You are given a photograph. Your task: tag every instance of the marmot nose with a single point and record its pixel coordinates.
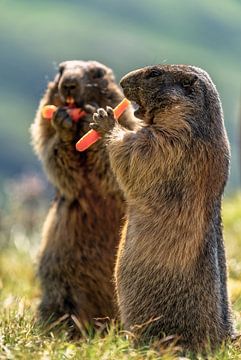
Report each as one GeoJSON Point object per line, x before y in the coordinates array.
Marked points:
{"type": "Point", "coordinates": [123, 81]}
{"type": "Point", "coordinates": [69, 85]}
{"type": "Point", "coordinates": [128, 80]}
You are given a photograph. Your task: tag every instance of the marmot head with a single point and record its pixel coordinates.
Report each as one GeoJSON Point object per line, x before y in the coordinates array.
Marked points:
{"type": "Point", "coordinates": [85, 82]}
{"type": "Point", "coordinates": [175, 96]}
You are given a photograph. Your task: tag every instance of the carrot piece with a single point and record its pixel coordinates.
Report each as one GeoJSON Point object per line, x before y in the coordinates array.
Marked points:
{"type": "Point", "coordinates": [75, 113]}
{"type": "Point", "coordinates": [119, 109]}
{"type": "Point", "coordinates": [92, 136]}
{"type": "Point", "coordinates": [70, 100]}
{"type": "Point", "coordinates": [48, 111]}
{"type": "Point", "coordinates": [87, 140]}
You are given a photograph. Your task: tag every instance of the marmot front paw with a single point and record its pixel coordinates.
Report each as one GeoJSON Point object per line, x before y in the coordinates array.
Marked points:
{"type": "Point", "coordinates": [90, 108]}
{"type": "Point", "coordinates": [63, 124]}
{"type": "Point", "coordinates": [103, 120]}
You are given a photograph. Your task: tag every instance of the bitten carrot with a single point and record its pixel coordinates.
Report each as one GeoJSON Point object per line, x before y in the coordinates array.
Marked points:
{"type": "Point", "coordinates": [92, 136]}
{"type": "Point", "coordinates": [75, 113]}
{"type": "Point", "coordinates": [87, 140]}
{"type": "Point", "coordinates": [48, 111]}
{"type": "Point", "coordinates": [121, 107]}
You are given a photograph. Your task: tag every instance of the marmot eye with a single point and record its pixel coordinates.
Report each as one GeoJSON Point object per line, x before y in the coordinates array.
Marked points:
{"type": "Point", "coordinates": [153, 73]}
{"type": "Point", "coordinates": [99, 73]}
{"type": "Point", "coordinates": [186, 83]}
{"type": "Point", "coordinates": [189, 82]}
{"type": "Point", "coordinates": [61, 69]}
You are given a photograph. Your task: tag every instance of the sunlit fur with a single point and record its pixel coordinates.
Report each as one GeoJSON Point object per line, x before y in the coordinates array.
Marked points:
{"type": "Point", "coordinates": [171, 267]}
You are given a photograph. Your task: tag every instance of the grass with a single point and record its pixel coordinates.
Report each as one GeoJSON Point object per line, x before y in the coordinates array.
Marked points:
{"type": "Point", "coordinates": [22, 338]}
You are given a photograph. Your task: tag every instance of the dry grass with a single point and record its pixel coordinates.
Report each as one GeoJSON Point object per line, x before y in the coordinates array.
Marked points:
{"type": "Point", "coordinates": [22, 338]}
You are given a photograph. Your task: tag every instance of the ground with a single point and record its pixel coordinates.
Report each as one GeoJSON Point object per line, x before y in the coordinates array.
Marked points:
{"type": "Point", "coordinates": [22, 338]}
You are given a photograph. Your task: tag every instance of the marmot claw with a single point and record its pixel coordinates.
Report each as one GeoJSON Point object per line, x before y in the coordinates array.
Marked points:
{"type": "Point", "coordinates": [103, 120]}
{"type": "Point", "coordinates": [63, 124]}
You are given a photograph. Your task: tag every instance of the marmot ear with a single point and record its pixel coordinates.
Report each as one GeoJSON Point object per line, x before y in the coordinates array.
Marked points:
{"type": "Point", "coordinates": [189, 80]}
{"type": "Point", "coordinates": [61, 68]}
{"type": "Point", "coordinates": [98, 73]}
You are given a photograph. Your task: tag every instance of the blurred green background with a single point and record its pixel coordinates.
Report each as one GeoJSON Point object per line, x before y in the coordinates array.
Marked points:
{"type": "Point", "coordinates": [36, 35]}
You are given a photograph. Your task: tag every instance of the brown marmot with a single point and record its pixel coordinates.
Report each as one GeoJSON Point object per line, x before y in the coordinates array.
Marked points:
{"type": "Point", "coordinates": [81, 231]}
{"type": "Point", "coordinates": [171, 266]}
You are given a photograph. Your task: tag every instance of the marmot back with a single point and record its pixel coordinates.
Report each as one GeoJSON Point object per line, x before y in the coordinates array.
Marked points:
{"type": "Point", "coordinates": [81, 231]}
{"type": "Point", "coordinates": [171, 267]}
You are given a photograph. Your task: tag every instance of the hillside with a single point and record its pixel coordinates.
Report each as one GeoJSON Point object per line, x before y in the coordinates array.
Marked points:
{"type": "Point", "coordinates": [36, 36]}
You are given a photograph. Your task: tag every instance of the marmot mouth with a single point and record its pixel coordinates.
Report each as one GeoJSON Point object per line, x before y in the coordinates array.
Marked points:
{"type": "Point", "coordinates": [135, 105]}
{"type": "Point", "coordinates": [70, 101]}
{"type": "Point", "coordinates": [139, 111]}
{"type": "Point", "coordinates": [136, 108]}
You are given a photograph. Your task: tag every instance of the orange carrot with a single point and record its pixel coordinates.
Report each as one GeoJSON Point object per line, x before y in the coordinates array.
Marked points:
{"type": "Point", "coordinates": [92, 136]}
{"type": "Point", "coordinates": [87, 140]}
{"type": "Point", "coordinates": [75, 113]}
{"type": "Point", "coordinates": [48, 111]}
{"type": "Point", "coordinates": [121, 107]}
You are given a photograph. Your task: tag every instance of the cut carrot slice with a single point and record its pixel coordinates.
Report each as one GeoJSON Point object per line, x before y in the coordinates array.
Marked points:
{"type": "Point", "coordinates": [70, 100]}
{"type": "Point", "coordinates": [48, 111]}
{"type": "Point", "coordinates": [119, 109]}
{"type": "Point", "coordinates": [87, 140]}
{"type": "Point", "coordinates": [75, 113]}
{"type": "Point", "coordinates": [92, 136]}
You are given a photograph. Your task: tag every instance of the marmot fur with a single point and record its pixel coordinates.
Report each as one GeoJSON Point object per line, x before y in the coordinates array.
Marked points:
{"type": "Point", "coordinates": [171, 267]}
{"type": "Point", "coordinates": [81, 232]}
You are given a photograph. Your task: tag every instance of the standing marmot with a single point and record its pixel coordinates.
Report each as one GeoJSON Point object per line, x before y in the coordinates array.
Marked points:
{"type": "Point", "coordinates": [81, 231]}
{"type": "Point", "coordinates": [171, 267]}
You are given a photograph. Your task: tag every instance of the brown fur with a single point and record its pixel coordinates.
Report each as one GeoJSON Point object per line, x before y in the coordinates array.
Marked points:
{"type": "Point", "coordinates": [171, 263]}
{"type": "Point", "coordinates": [81, 231]}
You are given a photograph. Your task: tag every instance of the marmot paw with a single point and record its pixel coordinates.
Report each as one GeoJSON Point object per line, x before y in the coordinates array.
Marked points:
{"type": "Point", "coordinates": [103, 120]}
{"type": "Point", "coordinates": [90, 108]}
{"type": "Point", "coordinates": [63, 124]}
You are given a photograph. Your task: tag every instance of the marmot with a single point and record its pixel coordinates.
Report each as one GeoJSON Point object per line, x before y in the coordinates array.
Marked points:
{"type": "Point", "coordinates": [81, 232]}
{"type": "Point", "coordinates": [171, 267]}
